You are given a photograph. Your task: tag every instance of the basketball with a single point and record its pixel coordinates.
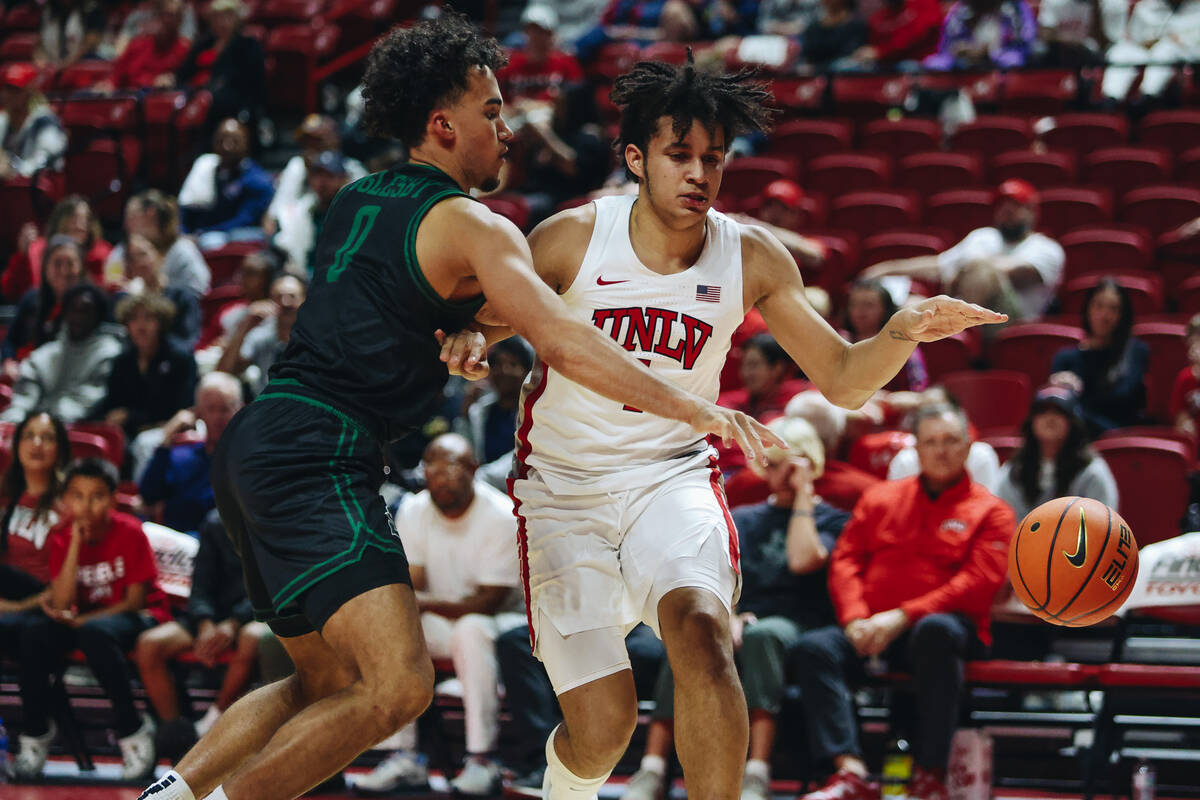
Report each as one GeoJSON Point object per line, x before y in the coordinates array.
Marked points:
{"type": "Point", "coordinates": [1073, 561]}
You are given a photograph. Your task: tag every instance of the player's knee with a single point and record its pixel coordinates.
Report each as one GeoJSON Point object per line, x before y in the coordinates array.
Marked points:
{"type": "Point", "coordinates": [705, 643]}
{"type": "Point", "coordinates": [402, 697]}
{"type": "Point", "coordinates": [607, 731]}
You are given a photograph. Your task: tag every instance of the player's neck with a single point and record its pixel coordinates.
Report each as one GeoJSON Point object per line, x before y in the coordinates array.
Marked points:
{"type": "Point", "coordinates": [440, 162]}
{"type": "Point", "coordinates": [660, 247]}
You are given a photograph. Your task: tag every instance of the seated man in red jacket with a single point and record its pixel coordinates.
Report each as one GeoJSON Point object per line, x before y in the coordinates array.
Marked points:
{"type": "Point", "coordinates": [912, 580]}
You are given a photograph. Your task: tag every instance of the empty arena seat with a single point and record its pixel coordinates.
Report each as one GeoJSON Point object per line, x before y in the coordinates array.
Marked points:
{"type": "Point", "coordinates": [224, 263]}
{"type": "Point", "coordinates": [1148, 469]}
{"type": "Point", "coordinates": [1168, 355]}
{"type": "Point", "coordinates": [871, 211]}
{"type": "Point", "coordinates": [1040, 92]}
{"type": "Point", "coordinates": [902, 244]}
{"type": "Point", "coordinates": [23, 17]}
{"type": "Point", "coordinates": [839, 173]}
{"type": "Point", "coordinates": [1175, 130]}
{"type": "Point", "coordinates": [1066, 207]}
{"type": "Point", "coordinates": [1125, 168]}
{"type": "Point", "coordinates": [992, 134]}
{"type": "Point", "coordinates": [287, 12]}
{"type": "Point", "coordinates": [82, 75]}
{"type": "Point", "coordinates": [23, 200]}
{"type": "Point", "coordinates": [961, 211]}
{"type": "Point", "coordinates": [806, 139]}
{"type": "Point", "coordinates": [1145, 290]}
{"type": "Point", "coordinates": [293, 53]}
{"type": "Point", "coordinates": [1188, 298]}
{"type": "Point", "coordinates": [983, 88]}
{"type": "Point", "coordinates": [1005, 445]}
{"type": "Point", "coordinates": [1160, 208]}
{"type": "Point", "coordinates": [1187, 166]}
{"type": "Point", "coordinates": [1100, 249]}
{"type": "Point", "coordinates": [952, 354]}
{"type": "Point", "coordinates": [1083, 133]}
{"type": "Point", "coordinates": [1043, 170]}
{"type": "Point", "coordinates": [936, 171]}
{"type": "Point", "coordinates": [745, 178]}
{"type": "Point", "coordinates": [88, 445]}
{"type": "Point", "coordinates": [996, 401]}
{"type": "Point", "coordinates": [841, 258]}
{"type": "Point", "coordinates": [1029, 347]}
{"type": "Point", "coordinates": [869, 96]}
{"type": "Point", "coordinates": [901, 137]}
{"type": "Point", "coordinates": [112, 435]}
{"type": "Point", "coordinates": [800, 95]}
{"type": "Point", "coordinates": [1154, 432]}
{"type": "Point", "coordinates": [18, 46]}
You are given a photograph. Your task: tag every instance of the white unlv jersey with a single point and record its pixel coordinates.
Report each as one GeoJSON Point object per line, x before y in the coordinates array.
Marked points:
{"type": "Point", "coordinates": [680, 325]}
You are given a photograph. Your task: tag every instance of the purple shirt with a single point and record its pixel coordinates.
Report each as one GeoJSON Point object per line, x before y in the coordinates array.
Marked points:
{"type": "Point", "coordinates": [1009, 32]}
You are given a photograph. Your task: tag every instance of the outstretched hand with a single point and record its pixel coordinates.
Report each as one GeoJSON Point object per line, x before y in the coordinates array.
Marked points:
{"type": "Point", "coordinates": [733, 426]}
{"type": "Point", "coordinates": [939, 317]}
{"type": "Point", "coordinates": [465, 353]}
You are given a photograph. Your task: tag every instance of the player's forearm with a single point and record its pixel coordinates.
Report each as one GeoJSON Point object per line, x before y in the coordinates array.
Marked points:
{"type": "Point", "coordinates": [869, 365]}
{"type": "Point", "coordinates": [493, 333]}
{"type": "Point", "coordinates": [588, 357]}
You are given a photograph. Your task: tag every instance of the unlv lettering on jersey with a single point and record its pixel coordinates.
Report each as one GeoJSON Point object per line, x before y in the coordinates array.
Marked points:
{"type": "Point", "coordinates": [655, 330]}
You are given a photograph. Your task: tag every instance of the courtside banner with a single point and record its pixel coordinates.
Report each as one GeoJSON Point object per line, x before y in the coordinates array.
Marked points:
{"type": "Point", "coordinates": [1169, 574]}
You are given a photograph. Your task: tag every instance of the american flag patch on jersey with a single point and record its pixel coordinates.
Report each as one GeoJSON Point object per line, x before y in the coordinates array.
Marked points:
{"type": "Point", "coordinates": [709, 294]}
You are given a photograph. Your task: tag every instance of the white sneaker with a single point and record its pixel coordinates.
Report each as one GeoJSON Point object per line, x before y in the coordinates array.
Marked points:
{"type": "Point", "coordinates": [480, 778]}
{"type": "Point", "coordinates": [138, 753]}
{"type": "Point", "coordinates": [400, 771]}
{"type": "Point", "coordinates": [755, 788]}
{"type": "Point", "coordinates": [644, 785]}
{"type": "Point", "coordinates": [34, 750]}
{"type": "Point", "coordinates": [205, 723]}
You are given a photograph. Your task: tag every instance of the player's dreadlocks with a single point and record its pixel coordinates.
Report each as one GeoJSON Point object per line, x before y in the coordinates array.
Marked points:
{"type": "Point", "coordinates": [412, 70]}
{"type": "Point", "coordinates": [735, 103]}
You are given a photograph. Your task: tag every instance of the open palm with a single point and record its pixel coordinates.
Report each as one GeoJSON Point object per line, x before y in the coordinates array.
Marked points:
{"type": "Point", "coordinates": [939, 317]}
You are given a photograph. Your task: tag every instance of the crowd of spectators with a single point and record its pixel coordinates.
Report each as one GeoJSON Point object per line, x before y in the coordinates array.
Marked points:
{"type": "Point", "coordinates": [845, 562]}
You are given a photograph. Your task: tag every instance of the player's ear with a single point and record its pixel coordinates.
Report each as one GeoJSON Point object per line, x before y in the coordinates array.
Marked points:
{"type": "Point", "coordinates": [636, 161]}
{"type": "Point", "coordinates": [440, 127]}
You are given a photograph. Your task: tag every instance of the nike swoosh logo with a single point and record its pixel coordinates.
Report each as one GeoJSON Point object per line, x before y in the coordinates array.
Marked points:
{"type": "Point", "coordinates": [601, 282]}
{"type": "Point", "coordinates": [1077, 558]}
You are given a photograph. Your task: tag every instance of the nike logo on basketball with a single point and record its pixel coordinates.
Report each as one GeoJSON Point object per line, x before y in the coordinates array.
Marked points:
{"type": "Point", "coordinates": [1080, 555]}
{"type": "Point", "coordinates": [601, 282]}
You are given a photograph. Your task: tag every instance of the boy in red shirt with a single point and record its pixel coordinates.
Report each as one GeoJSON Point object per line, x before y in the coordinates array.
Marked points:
{"type": "Point", "coordinates": [912, 580]}
{"type": "Point", "coordinates": [103, 594]}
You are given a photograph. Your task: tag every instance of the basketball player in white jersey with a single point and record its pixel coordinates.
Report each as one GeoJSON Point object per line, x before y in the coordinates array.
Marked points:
{"type": "Point", "coordinates": [622, 515]}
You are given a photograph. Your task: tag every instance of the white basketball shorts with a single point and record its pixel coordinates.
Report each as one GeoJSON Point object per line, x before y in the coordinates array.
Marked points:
{"type": "Point", "coordinates": [597, 565]}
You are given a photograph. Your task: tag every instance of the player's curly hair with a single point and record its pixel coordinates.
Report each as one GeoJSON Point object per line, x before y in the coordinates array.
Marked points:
{"type": "Point", "coordinates": [735, 103]}
{"type": "Point", "coordinates": [410, 71]}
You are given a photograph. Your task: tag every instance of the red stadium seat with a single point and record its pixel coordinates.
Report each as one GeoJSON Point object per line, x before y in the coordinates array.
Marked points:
{"type": "Point", "coordinates": [23, 17]}
{"type": "Point", "coordinates": [225, 262]}
{"type": "Point", "coordinates": [813, 209]}
{"type": "Point", "coordinates": [1168, 355]}
{"type": "Point", "coordinates": [82, 75]}
{"type": "Point", "coordinates": [841, 259]}
{"type": "Point", "coordinates": [952, 354]}
{"type": "Point", "coordinates": [112, 435]}
{"type": "Point", "coordinates": [1005, 445]}
{"type": "Point", "coordinates": [992, 134]}
{"type": "Point", "coordinates": [1102, 249]}
{"type": "Point", "coordinates": [1188, 298]}
{"type": "Point", "coordinates": [1160, 208]}
{"type": "Point", "coordinates": [868, 212]}
{"type": "Point", "coordinates": [961, 211]}
{"type": "Point", "coordinates": [88, 445]}
{"type": "Point", "coordinates": [1029, 347]}
{"type": "Point", "coordinates": [18, 47]}
{"type": "Point", "coordinates": [1152, 481]}
{"type": "Point", "coordinates": [1145, 290]}
{"type": "Point", "coordinates": [613, 59]}
{"type": "Point", "coordinates": [99, 173]}
{"type": "Point", "coordinates": [901, 137]}
{"type": "Point", "coordinates": [1083, 133]}
{"type": "Point", "coordinates": [996, 401]}
{"type": "Point", "coordinates": [800, 95]}
{"type": "Point", "coordinates": [1175, 130]}
{"type": "Point", "coordinates": [1154, 432]}
{"type": "Point", "coordinates": [1125, 168]}
{"type": "Point", "coordinates": [211, 307]}
{"type": "Point", "coordinates": [806, 139]}
{"type": "Point", "coordinates": [1043, 170]}
{"type": "Point", "coordinates": [23, 200]}
{"type": "Point", "coordinates": [1038, 92]}
{"type": "Point", "coordinates": [838, 173]}
{"type": "Point", "coordinates": [869, 96]}
{"type": "Point", "coordinates": [1066, 207]}
{"type": "Point", "coordinates": [745, 178]}
{"type": "Point", "coordinates": [901, 244]}
{"type": "Point", "coordinates": [873, 452]}
{"type": "Point", "coordinates": [982, 87]}
{"type": "Point", "coordinates": [669, 52]}
{"type": "Point", "coordinates": [935, 171]}
{"type": "Point", "coordinates": [293, 52]}
{"type": "Point", "coordinates": [1187, 166]}
{"type": "Point", "coordinates": [273, 13]}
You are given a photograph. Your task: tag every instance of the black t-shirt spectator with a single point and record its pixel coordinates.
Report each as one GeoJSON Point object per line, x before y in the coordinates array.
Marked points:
{"type": "Point", "coordinates": [218, 591]}
{"type": "Point", "coordinates": [168, 385]}
{"type": "Point", "coordinates": [1114, 391]}
{"type": "Point", "coordinates": [822, 43]}
{"type": "Point", "coordinates": [769, 588]}
{"type": "Point", "coordinates": [236, 77]}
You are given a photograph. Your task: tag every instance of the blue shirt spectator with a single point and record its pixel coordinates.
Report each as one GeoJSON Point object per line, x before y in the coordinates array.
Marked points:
{"type": "Point", "coordinates": [225, 190]}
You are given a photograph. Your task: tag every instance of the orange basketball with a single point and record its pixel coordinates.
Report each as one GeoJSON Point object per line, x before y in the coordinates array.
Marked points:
{"type": "Point", "coordinates": [1073, 561]}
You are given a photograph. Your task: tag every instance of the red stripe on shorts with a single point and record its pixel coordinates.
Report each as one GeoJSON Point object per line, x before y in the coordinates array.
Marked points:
{"type": "Point", "coordinates": [714, 478]}
{"type": "Point", "coordinates": [523, 451]}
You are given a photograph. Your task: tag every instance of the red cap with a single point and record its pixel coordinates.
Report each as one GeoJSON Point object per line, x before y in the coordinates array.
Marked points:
{"type": "Point", "coordinates": [787, 192]}
{"type": "Point", "coordinates": [1019, 191]}
{"type": "Point", "coordinates": [21, 75]}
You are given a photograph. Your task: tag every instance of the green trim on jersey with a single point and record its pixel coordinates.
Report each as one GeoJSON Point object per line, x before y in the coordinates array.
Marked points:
{"type": "Point", "coordinates": [414, 267]}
